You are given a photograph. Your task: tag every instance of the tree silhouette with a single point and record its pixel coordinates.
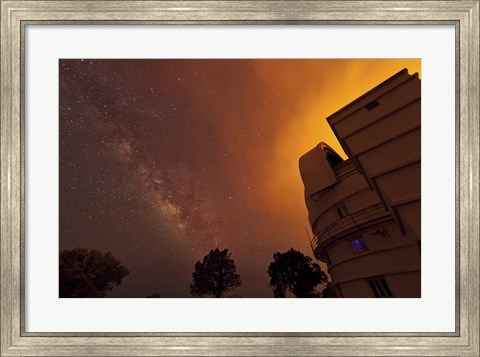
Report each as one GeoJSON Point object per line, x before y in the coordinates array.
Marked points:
{"type": "Point", "coordinates": [88, 273]}
{"type": "Point", "coordinates": [296, 273]}
{"type": "Point", "coordinates": [215, 276]}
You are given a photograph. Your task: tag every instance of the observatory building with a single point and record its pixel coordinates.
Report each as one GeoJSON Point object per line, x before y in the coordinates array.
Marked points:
{"type": "Point", "coordinates": [364, 212]}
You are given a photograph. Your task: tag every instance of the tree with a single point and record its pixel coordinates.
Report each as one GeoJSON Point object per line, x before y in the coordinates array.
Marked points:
{"type": "Point", "coordinates": [296, 273]}
{"type": "Point", "coordinates": [89, 273]}
{"type": "Point", "coordinates": [215, 276]}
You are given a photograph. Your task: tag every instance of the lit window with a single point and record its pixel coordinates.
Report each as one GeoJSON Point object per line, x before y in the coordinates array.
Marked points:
{"type": "Point", "coordinates": [358, 245]}
{"type": "Point", "coordinates": [380, 288]}
{"type": "Point", "coordinates": [342, 211]}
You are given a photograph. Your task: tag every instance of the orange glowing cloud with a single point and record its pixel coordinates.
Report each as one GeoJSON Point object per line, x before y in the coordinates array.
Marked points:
{"type": "Point", "coordinates": [304, 94]}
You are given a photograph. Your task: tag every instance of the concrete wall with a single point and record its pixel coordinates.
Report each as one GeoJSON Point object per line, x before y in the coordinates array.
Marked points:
{"type": "Point", "coordinates": [351, 191]}
{"type": "Point", "coordinates": [390, 253]}
{"type": "Point", "coordinates": [384, 141]}
{"type": "Point", "coordinates": [378, 188]}
{"type": "Point", "coordinates": [402, 285]}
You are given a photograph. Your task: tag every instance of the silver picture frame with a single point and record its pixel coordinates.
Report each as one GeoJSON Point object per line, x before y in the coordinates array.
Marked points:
{"type": "Point", "coordinates": [16, 15]}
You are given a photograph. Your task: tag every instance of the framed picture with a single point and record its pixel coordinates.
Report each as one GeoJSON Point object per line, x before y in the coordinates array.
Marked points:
{"type": "Point", "coordinates": [159, 155]}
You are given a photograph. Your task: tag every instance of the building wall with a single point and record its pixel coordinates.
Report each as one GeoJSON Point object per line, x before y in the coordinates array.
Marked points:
{"type": "Point", "coordinates": [381, 133]}
{"type": "Point", "coordinates": [352, 191]}
{"type": "Point", "coordinates": [390, 253]}
{"type": "Point", "coordinates": [402, 285]}
{"type": "Point", "coordinates": [407, 285]}
{"type": "Point", "coordinates": [376, 192]}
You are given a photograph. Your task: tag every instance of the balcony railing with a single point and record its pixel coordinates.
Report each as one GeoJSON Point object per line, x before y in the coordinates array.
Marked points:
{"type": "Point", "coordinates": [350, 224]}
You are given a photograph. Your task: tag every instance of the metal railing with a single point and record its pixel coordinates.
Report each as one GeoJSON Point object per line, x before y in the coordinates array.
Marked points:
{"type": "Point", "coordinates": [354, 222]}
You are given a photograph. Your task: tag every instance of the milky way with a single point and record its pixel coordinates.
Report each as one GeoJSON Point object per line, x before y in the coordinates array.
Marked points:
{"type": "Point", "coordinates": [163, 160]}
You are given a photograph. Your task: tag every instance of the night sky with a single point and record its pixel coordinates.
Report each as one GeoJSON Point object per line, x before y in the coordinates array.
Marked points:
{"type": "Point", "coordinates": [163, 160]}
